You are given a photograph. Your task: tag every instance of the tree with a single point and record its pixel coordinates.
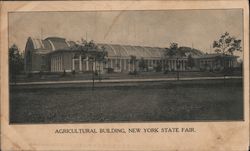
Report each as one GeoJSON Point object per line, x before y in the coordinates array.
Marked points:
{"type": "Point", "coordinates": [16, 62]}
{"type": "Point", "coordinates": [158, 67]}
{"type": "Point", "coordinates": [92, 52]}
{"type": "Point", "coordinates": [174, 46]}
{"type": "Point", "coordinates": [218, 62]}
{"type": "Point", "coordinates": [101, 58]}
{"type": "Point", "coordinates": [170, 52]}
{"type": "Point", "coordinates": [142, 64]}
{"type": "Point", "coordinates": [190, 61]}
{"type": "Point", "coordinates": [227, 44]}
{"type": "Point", "coordinates": [133, 61]}
{"type": "Point", "coordinates": [174, 51]}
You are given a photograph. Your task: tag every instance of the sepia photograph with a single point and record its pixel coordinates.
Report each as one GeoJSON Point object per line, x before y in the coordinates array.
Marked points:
{"type": "Point", "coordinates": [124, 75]}
{"type": "Point", "coordinates": [125, 66]}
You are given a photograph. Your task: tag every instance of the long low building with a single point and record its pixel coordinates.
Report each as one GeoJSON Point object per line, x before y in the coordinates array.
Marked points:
{"type": "Point", "coordinates": [55, 54]}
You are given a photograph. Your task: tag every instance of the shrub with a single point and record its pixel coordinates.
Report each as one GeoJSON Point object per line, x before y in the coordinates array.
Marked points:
{"type": "Point", "coordinates": [133, 72]}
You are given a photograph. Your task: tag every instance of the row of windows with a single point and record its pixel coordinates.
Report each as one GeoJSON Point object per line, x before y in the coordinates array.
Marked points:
{"type": "Point", "coordinates": [120, 64]}
{"type": "Point", "coordinates": [56, 63]}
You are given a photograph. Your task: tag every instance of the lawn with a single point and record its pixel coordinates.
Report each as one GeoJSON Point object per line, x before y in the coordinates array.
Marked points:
{"type": "Point", "coordinates": [128, 102]}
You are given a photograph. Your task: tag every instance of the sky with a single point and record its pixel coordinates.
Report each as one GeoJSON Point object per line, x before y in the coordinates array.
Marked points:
{"type": "Point", "coordinates": [192, 28]}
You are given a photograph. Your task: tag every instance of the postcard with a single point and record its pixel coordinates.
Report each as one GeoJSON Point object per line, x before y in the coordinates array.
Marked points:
{"type": "Point", "coordinates": [125, 75]}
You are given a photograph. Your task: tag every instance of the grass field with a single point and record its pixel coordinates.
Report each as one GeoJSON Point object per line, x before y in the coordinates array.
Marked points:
{"type": "Point", "coordinates": [128, 102]}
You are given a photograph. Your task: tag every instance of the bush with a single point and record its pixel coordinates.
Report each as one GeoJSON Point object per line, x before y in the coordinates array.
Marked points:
{"type": "Point", "coordinates": [29, 75]}
{"type": "Point", "coordinates": [40, 74]}
{"type": "Point", "coordinates": [64, 73]}
{"type": "Point", "coordinates": [133, 72]}
{"type": "Point", "coordinates": [165, 72]}
{"type": "Point", "coordinates": [110, 70]}
{"type": "Point", "coordinates": [158, 69]}
{"type": "Point", "coordinates": [228, 70]}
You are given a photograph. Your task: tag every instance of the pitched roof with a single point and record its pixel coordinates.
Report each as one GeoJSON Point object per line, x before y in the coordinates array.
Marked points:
{"type": "Point", "coordinates": [53, 44]}
{"type": "Point", "coordinates": [137, 51]}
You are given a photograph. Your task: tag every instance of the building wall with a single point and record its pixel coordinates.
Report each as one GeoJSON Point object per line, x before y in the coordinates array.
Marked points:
{"type": "Point", "coordinates": [35, 62]}
{"type": "Point", "coordinates": [60, 61]}
{"type": "Point", "coordinates": [57, 63]}
{"type": "Point", "coordinates": [38, 63]}
{"type": "Point", "coordinates": [213, 64]}
{"type": "Point", "coordinates": [28, 61]}
{"type": "Point", "coordinates": [55, 54]}
{"type": "Point", "coordinates": [35, 58]}
{"type": "Point", "coordinates": [68, 61]}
